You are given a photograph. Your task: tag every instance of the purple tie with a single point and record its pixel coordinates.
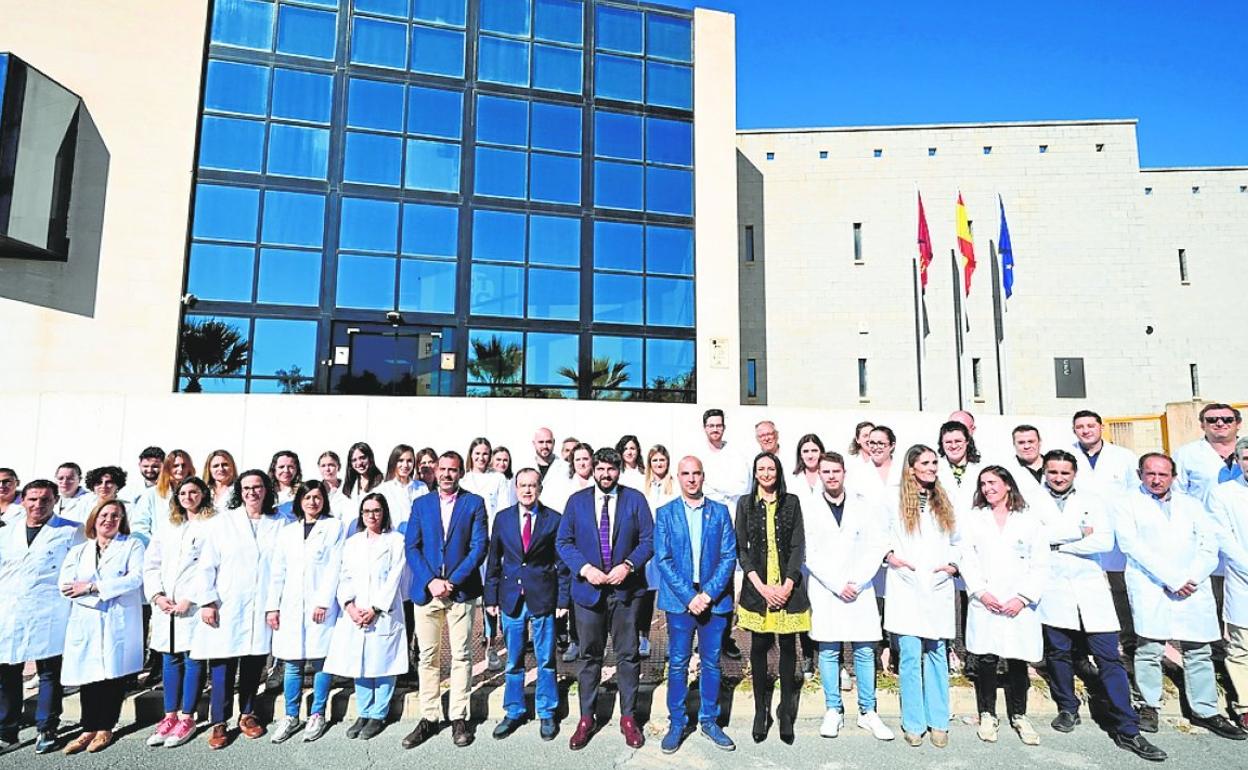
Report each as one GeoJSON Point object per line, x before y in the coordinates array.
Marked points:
{"type": "Point", "coordinates": [604, 534]}
{"type": "Point", "coordinates": [526, 534]}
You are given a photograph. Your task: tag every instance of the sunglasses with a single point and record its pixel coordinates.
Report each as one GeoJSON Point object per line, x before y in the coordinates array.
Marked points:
{"type": "Point", "coordinates": [1223, 420]}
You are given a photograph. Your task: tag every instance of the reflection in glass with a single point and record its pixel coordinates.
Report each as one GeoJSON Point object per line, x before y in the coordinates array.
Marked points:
{"type": "Point", "coordinates": [239, 88]}
{"type": "Point", "coordinates": [617, 298]}
{"type": "Point", "coordinates": [437, 51]}
{"type": "Point", "coordinates": [497, 290]}
{"type": "Point", "coordinates": [617, 77]}
{"type": "Point", "coordinates": [559, 20]}
{"type": "Point", "coordinates": [554, 241]}
{"type": "Point", "coordinates": [365, 283]}
{"type": "Point", "coordinates": [669, 85]}
{"type": "Point", "coordinates": [556, 178]}
{"type": "Point", "coordinates": [298, 151]}
{"type": "Point", "coordinates": [293, 219]}
{"type": "Point", "coordinates": [441, 11]}
{"type": "Point", "coordinates": [213, 385]}
{"type": "Point", "coordinates": [373, 104]}
{"type": "Point", "coordinates": [617, 135]}
{"type": "Point", "coordinates": [556, 127]}
{"type": "Point", "coordinates": [226, 213]}
{"type": "Point", "coordinates": [669, 190]}
{"type": "Point", "coordinates": [502, 121]}
{"type": "Point", "coordinates": [669, 37]}
{"type": "Point", "coordinates": [432, 166]}
{"type": "Point", "coordinates": [497, 235]}
{"type": "Point", "coordinates": [617, 185]}
{"type": "Point", "coordinates": [510, 17]}
{"type": "Point", "coordinates": [503, 61]}
{"type": "Point", "coordinates": [617, 362]}
{"type": "Point", "coordinates": [383, 7]}
{"type": "Point", "coordinates": [435, 112]}
{"type": "Point", "coordinates": [669, 250]}
{"type": "Point", "coordinates": [244, 23]}
{"type": "Point", "coordinates": [373, 159]}
{"type": "Point", "coordinates": [495, 357]}
{"type": "Point", "coordinates": [618, 29]}
{"type": "Point", "coordinates": [669, 141]}
{"type": "Point", "coordinates": [302, 95]}
{"type": "Point", "coordinates": [617, 246]}
{"type": "Point", "coordinates": [231, 144]}
{"type": "Point", "coordinates": [281, 346]}
{"type": "Point", "coordinates": [501, 173]}
{"type": "Point", "coordinates": [554, 294]}
{"type": "Point", "coordinates": [218, 272]}
{"type": "Point", "coordinates": [551, 359]}
{"type": "Point", "coordinates": [379, 43]}
{"type": "Point", "coordinates": [669, 302]}
{"type": "Point", "coordinates": [210, 347]}
{"type": "Point", "coordinates": [557, 69]}
{"type": "Point", "coordinates": [305, 32]}
{"type": "Point", "coordinates": [369, 225]}
{"type": "Point", "coordinates": [426, 286]}
{"type": "Point", "coordinates": [289, 277]}
{"type": "Point", "coordinates": [430, 230]}
{"type": "Point", "coordinates": [669, 364]}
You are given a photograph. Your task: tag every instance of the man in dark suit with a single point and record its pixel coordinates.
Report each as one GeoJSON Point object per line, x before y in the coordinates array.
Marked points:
{"type": "Point", "coordinates": [605, 538]}
{"type": "Point", "coordinates": [526, 580]}
{"type": "Point", "coordinates": [445, 546]}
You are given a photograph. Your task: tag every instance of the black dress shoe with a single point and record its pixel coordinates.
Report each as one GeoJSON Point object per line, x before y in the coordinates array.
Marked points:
{"type": "Point", "coordinates": [550, 728]}
{"type": "Point", "coordinates": [786, 730]}
{"type": "Point", "coordinates": [461, 734]}
{"type": "Point", "coordinates": [45, 742]}
{"type": "Point", "coordinates": [423, 732]}
{"type": "Point", "coordinates": [1065, 722]}
{"type": "Point", "coordinates": [762, 726]}
{"type": "Point", "coordinates": [730, 649]}
{"type": "Point", "coordinates": [354, 730]}
{"type": "Point", "coordinates": [1220, 725]}
{"type": "Point", "coordinates": [372, 729]}
{"type": "Point", "coordinates": [506, 727]}
{"type": "Point", "coordinates": [1139, 746]}
{"type": "Point", "coordinates": [1148, 719]}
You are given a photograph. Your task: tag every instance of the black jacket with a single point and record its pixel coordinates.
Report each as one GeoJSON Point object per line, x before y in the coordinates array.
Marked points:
{"type": "Point", "coordinates": [751, 529]}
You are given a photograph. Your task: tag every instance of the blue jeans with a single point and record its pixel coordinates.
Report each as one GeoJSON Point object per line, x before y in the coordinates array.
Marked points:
{"type": "Point", "coordinates": [292, 682]}
{"type": "Point", "coordinates": [1198, 678]}
{"type": "Point", "coordinates": [924, 671]}
{"type": "Point", "coordinates": [546, 698]}
{"type": "Point", "coordinates": [48, 707]}
{"type": "Point", "coordinates": [1113, 677]}
{"type": "Point", "coordinates": [864, 670]}
{"type": "Point", "coordinates": [183, 681]}
{"type": "Point", "coordinates": [681, 627]}
{"type": "Point", "coordinates": [372, 696]}
{"type": "Point", "coordinates": [250, 670]}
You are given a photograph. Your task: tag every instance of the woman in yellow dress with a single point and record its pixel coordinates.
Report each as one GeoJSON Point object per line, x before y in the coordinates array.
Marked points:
{"type": "Point", "coordinates": [771, 548]}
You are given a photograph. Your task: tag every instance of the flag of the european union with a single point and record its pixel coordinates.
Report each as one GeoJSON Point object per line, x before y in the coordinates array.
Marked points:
{"type": "Point", "coordinates": [1007, 254]}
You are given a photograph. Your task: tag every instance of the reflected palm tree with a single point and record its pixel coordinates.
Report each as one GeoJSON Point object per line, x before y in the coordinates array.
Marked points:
{"type": "Point", "coordinates": [293, 380]}
{"type": "Point", "coordinates": [603, 373]}
{"type": "Point", "coordinates": [494, 361]}
{"type": "Point", "coordinates": [210, 348]}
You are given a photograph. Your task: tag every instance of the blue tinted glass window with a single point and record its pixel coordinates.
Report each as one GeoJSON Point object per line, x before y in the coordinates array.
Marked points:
{"type": "Point", "coordinates": [668, 37]}
{"type": "Point", "coordinates": [502, 121]}
{"type": "Point", "coordinates": [669, 250]}
{"type": "Point", "coordinates": [373, 159]}
{"type": "Point", "coordinates": [669, 363]}
{"type": "Point", "coordinates": [617, 246]}
{"type": "Point", "coordinates": [617, 135]}
{"type": "Point", "coordinates": [495, 356]}
{"type": "Point", "coordinates": [617, 298]}
{"type": "Point", "coordinates": [669, 302]}
{"type": "Point", "coordinates": [618, 29]}
{"type": "Point", "coordinates": [669, 141]}
{"type": "Point", "coordinates": [383, 7]}
{"type": "Point", "coordinates": [550, 358]}
{"type": "Point", "coordinates": [554, 241]}
{"type": "Point", "coordinates": [233, 87]}
{"type": "Point", "coordinates": [4, 78]}
{"type": "Point", "coordinates": [437, 51]}
{"type": "Point", "coordinates": [282, 345]}
{"type": "Point", "coordinates": [559, 20]}
{"type": "Point", "coordinates": [498, 235]}
{"type": "Point", "coordinates": [231, 144]}
{"type": "Point", "coordinates": [293, 219]}
{"type": "Point", "coordinates": [220, 272]}
{"type": "Point", "coordinates": [617, 78]}
{"type": "Point", "coordinates": [302, 95]}
{"type": "Point", "coordinates": [556, 127]}
{"type": "Point", "coordinates": [426, 286]}
{"type": "Point", "coordinates": [557, 69]}
{"type": "Point", "coordinates": [497, 290]}
{"type": "Point", "coordinates": [298, 151]}
{"type": "Point", "coordinates": [431, 230]}
{"type": "Point", "coordinates": [554, 294]}
{"type": "Point", "coordinates": [503, 61]}
{"type": "Point", "coordinates": [432, 166]}
{"type": "Point", "coordinates": [435, 112]}
{"type": "Point", "coordinates": [501, 173]}
{"type": "Point", "coordinates": [669, 85]}
{"type": "Point", "coordinates": [555, 178]}
{"type": "Point", "coordinates": [369, 225]}
{"type": "Point", "coordinates": [669, 191]}
{"type": "Point", "coordinates": [226, 213]}
{"type": "Point", "coordinates": [510, 17]}
{"type": "Point", "coordinates": [366, 283]}
{"type": "Point", "coordinates": [216, 384]}
{"type": "Point", "coordinates": [379, 43]}
{"type": "Point", "coordinates": [289, 277]}
{"type": "Point", "coordinates": [305, 32]}
{"type": "Point", "coordinates": [617, 185]}
{"type": "Point", "coordinates": [373, 104]}
{"type": "Point", "coordinates": [620, 350]}
{"type": "Point", "coordinates": [441, 11]}
{"type": "Point", "coordinates": [244, 23]}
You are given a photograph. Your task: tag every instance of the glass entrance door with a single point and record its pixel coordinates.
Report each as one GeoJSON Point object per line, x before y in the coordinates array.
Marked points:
{"type": "Point", "coordinates": [386, 360]}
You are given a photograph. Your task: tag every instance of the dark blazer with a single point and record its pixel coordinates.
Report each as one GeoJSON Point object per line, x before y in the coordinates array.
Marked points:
{"type": "Point", "coordinates": [752, 549]}
{"type": "Point", "coordinates": [456, 555]}
{"type": "Point", "coordinates": [632, 540]}
{"type": "Point", "coordinates": [673, 555]}
{"type": "Point", "coordinates": [537, 578]}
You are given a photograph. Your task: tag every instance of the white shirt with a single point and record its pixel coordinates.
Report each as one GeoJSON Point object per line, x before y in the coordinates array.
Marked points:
{"type": "Point", "coordinates": [728, 475]}
{"type": "Point", "coordinates": [612, 498]}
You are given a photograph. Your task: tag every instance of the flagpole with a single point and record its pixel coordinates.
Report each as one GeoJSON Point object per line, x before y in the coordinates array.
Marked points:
{"type": "Point", "coordinates": [918, 328]}
{"type": "Point", "coordinates": [957, 326]}
{"type": "Point", "coordinates": [997, 323]}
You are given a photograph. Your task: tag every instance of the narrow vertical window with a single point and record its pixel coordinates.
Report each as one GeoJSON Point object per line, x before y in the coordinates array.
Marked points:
{"type": "Point", "coordinates": [857, 242]}
{"type": "Point", "coordinates": [862, 379]}
{"type": "Point", "coordinates": [751, 378]}
{"type": "Point", "coordinates": [823, 155]}
{"type": "Point", "coordinates": [1195, 374]}
{"type": "Point", "coordinates": [749, 243]}
{"type": "Point", "coordinates": [977, 378]}
{"type": "Point", "coordinates": [1183, 276]}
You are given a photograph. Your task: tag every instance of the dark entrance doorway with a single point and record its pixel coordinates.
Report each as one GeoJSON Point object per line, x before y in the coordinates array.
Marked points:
{"type": "Point", "coordinates": [385, 360]}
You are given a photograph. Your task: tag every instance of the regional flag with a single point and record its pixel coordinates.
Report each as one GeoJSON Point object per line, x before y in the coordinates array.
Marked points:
{"type": "Point", "coordinates": [965, 247]}
{"type": "Point", "coordinates": [1007, 254]}
{"type": "Point", "coordinates": [925, 259]}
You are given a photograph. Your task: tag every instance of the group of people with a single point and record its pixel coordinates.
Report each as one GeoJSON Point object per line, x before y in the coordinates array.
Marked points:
{"type": "Point", "coordinates": [1062, 557]}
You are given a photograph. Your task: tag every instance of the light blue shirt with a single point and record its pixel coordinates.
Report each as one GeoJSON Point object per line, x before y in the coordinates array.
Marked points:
{"type": "Point", "coordinates": [693, 517]}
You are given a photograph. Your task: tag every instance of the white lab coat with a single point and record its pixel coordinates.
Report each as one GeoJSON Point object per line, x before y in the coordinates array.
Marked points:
{"type": "Point", "coordinates": [1008, 562]}
{"type": "Point", "coordinates": [104, 638]}
{"type": "Point", "coordinates": [399, 498]}
{"type": "Point", "coordinates": [961, 492]}
{"type": "Point", "coordinates": [557, 491]}
{"type": "Point", "coordinates": [1228, 506]}
{"type": "Point", "coordinates": [235, 569]}
{"type": "Point", "coordinates": [920, 601]}
{"type": "Point", "coordinates": [1116, 471]}
{"type": "Point", "coordinates": [76, 508]}
{"type": "Point", "coordinates": [633, 479]}
{"type": "Point", "coordinates": [1077, 593]}
{"type": "Point", "coordinates": [867, 482]}
{"type": "Point", "coordinates": [33, 613]}
{"type": "Point", "coordinates": [131, 493]}
{"type": "Point", "coordinates": [373, 575]}
{"type": "Point", "coordinates": [13, 513]}
{"type": "Point", "coordinates": [171, 567]}
{"type": "Point", "coordinates": [150, 513]}
{"type": "Point", "coordinates": [728, 474]}
{"type": "Point", "coordinates": [1163, 553]}
{"type": "Point", "coordinates": [341, 506]}
{"type": "Point", "coordinates": [1197, 466]}
{"type": "Point", "coordinates": [837, 555]}
{"type": "Point", "coordinates": [492, 487]}
{"type": "Point", "coordinates": [305, 576]}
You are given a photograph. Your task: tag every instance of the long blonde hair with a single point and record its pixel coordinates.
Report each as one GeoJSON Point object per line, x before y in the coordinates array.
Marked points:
{"type": "Point", "coordinates": [666, 486]}
{"type": "Point", "coordinates": [911, 492]}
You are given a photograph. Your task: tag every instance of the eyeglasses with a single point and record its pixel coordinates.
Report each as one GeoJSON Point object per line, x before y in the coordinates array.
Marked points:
{"type": "Point", "coordinates": [7, 482]}
{"type": "Point", "coordinates": [1223, 420]}
{"type": "Point", "coordinates": [877, 443]}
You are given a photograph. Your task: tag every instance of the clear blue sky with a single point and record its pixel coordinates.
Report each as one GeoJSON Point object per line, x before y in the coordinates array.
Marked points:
{"type": "Point", "coordinates": [1180, 68]}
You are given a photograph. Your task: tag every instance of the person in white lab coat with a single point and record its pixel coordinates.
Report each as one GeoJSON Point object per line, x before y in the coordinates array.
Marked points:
{"type": "Point", "coordinates": [922, 558]}
{"type": "Point", "coordinates": [170, 569]}
{"type": "Point", "coordinates": [234, 573]}
{"type": "Point", "coordinates": [481, 480]}
{"type": "Point", "coordinates": [103, 579]}
{"type": "Point", "coordinates": [401, 486]}
{"type": "Point", "coordinates": [363, 475]}
{"type": "Point", "coordinates": [33, 615]}
{"type": "Point", "coordinates": [845, 542]}
{"type": "Point", "coordinates": [220, 472]}
{"type": "Point", "coordinates": [856, 452]}
{"type": "Point", "coordinates": [1077, 609]}
{"type": "Point", "coordinates": [73, 499]}
{"type": "Point", "coordinates": [1004, 559]}
{"type": "Point", "coordinates": [1206, 462]}
{"type": "Point", "coordinates": [659, 487]}
{"type": "Point", "coordinates": [286, 474]}
{"type": "Point", "coordinates": [1171, 546]}
{"type": "Point", "coordinates": [960, 465]}
{"type": "Point", "coordinates": [633, 473]}
{"type": "Point", "coordinates": [880, 480]}
{"type": "Point", "coordinates": [330, 467]}
{"type": "Point", "coordinates": [369, 642]}
{"type": "Point", "coordinates": [105, 483]}
{"type": "Point", "coordinates": [1228, 504]}
{"type": "Point", "coordinates": [427, 466]}
{"type": "Point", "coordinates": [580, 469]}
{"type": "Point", "coordinates": [301, 606]}
{"type": "Point", "coordinates": [500, 462]}
{"type": "Point", "coordinates": [11, 510]}
{"type": "Point", "coordinates": [1109, 468]}
{"type": "Point", "coordinates": [729, 475]}
{"type": "Point", "coordinates": [150, 461]}
{"type": "Point", "coordinates": [153, 506]}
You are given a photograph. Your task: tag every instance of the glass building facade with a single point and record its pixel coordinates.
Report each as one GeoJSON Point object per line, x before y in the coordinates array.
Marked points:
{"type": "Point", "coordinates": [444, 197]}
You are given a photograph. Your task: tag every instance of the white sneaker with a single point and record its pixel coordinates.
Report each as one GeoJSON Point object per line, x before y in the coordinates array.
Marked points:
{"type": "Point", "coordinates": [833, 720]}
{"type": "Point", "coordinates": [285, 729]}
{"type": "Point", "coordinates": [988, 725]}
{"type": "Point", "coordinates": [1028, 734]}
{"type": "Point", "coordinates": [872, 723]}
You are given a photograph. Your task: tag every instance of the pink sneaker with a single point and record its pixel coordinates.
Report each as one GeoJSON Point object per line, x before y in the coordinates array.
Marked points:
{"type": "Point", "coordinates": [163, 729]}
{"type": "Point", "coordinates": [181, 732]}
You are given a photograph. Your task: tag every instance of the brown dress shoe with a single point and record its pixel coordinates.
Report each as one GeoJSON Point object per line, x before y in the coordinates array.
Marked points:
{"type": "Point", "coordinates": [79, 744]}
{"type": "Point", "coordinates": [580, 738]}
{"type": "Point", "coordinates": [101, 741]}
{"type": "Point", "coordinates": [248, 726]}
{"type": "Point", "coordinates": [424, 730]}
{"type": "Point", "coordinates": [632, 733]}
{"type": "Point", "coordinates": [219, 737]}
{"type": "Point", "coordinates": [461, 733]}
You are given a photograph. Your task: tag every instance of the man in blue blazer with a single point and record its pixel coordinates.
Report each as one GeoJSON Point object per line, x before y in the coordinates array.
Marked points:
{"type": "Point", "coordinates": [695, 552]}
{"type": "Point", "coordinates": [527, 581]}
{"type": "Point", "coordinates": [606, 536]}
{"type": "Point", "coordinates": [445, 546]}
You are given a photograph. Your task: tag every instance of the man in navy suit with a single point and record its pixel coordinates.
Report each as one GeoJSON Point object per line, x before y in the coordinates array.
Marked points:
{"type": "Point", "coordinates": [445, 546]}
{"type": "Point", "coordinates": [526, 580]}
{"type": "Point", "coordinates": [606, 536]}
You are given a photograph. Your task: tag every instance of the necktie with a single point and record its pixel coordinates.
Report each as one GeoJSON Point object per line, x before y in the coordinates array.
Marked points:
{"type": "Point", "coordinates": [604, 534]}
{"type": "Point", "coordinates": [526, 534]}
